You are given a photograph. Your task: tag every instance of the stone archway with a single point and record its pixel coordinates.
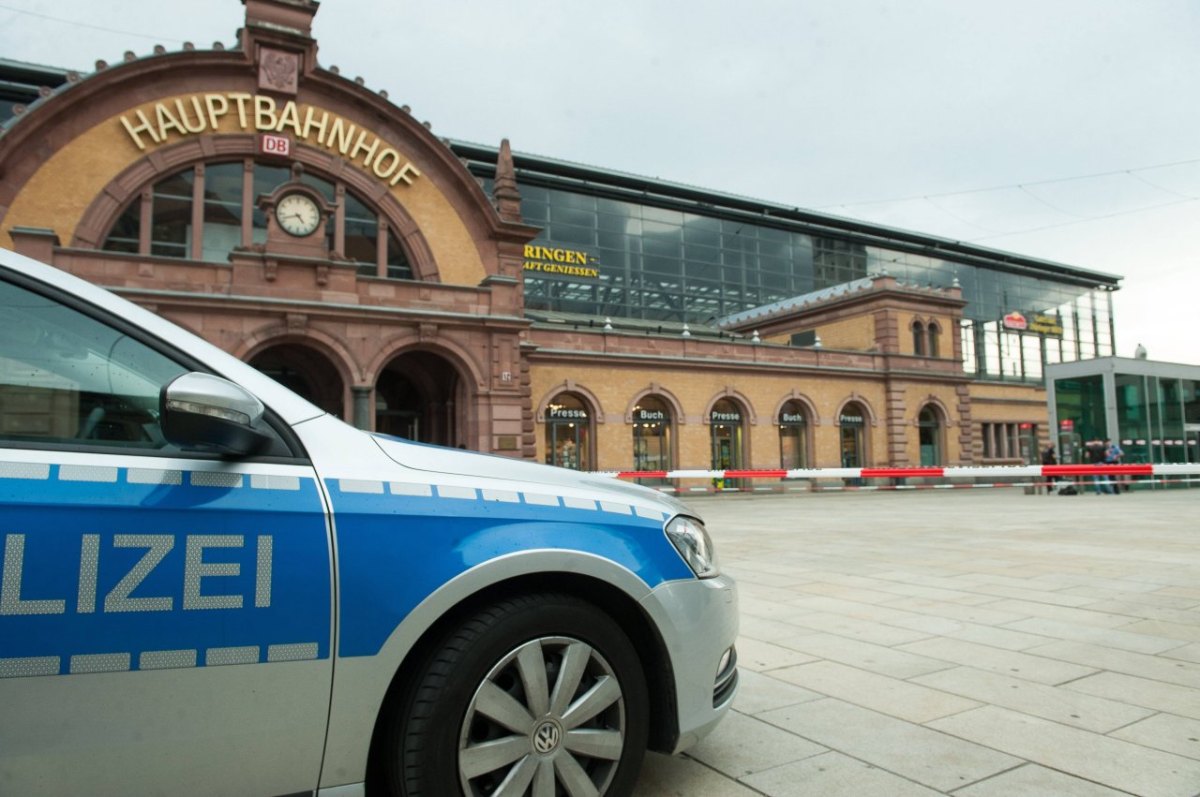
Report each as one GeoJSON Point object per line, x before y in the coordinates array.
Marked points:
{"type": "Point", "coordinates": [306, 372]}
{"type": "Point", "coordinates": [421, 396]}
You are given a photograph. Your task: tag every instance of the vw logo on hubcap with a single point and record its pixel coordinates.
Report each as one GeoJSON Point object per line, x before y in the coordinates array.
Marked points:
{"type": "Point", "coordinates": [546, 737]}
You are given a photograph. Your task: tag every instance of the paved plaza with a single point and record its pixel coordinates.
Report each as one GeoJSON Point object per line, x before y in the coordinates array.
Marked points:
{"type": "Point", "coordinates": [979, 643]}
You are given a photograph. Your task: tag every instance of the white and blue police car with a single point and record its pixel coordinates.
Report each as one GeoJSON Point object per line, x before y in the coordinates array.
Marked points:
{"type": "Point", "coordinates": [210, 586]}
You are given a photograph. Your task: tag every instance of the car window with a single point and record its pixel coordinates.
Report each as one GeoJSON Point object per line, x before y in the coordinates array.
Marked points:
{"type": "Point", "coordinates": [66, 377]}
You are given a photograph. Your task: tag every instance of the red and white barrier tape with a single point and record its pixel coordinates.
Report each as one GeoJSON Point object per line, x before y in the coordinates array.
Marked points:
{"type": "Point", "coordinates": [1044, 472]}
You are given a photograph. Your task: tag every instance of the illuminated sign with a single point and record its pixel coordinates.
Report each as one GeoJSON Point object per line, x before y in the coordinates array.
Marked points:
{"type": "Point", "coordinates": [216, 112]}
{"type": "Point", "coordinates": [556, 412]}
{"type": "Point", "coordinates": [554, 260]}
{"type": "Point", "coordinates": [1046, 325]}
{"type": "Point", "coordinates": [1041, 323]}
{"type": "Point", "coordinates": [725, 417]}
{"type": "Point", "coordinates": [1015, 320]}
{"type": "Point", "coordinates": [851, 420]}
{"type": "Point", "coordinates": [649, 415]}
{"type": "Point", "coordinates": [791, 418]}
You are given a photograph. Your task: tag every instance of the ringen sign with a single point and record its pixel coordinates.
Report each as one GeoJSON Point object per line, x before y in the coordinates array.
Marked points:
{"type": "Point", "coordinates": [206, 113]}
{"type": "Point", "coordinates": [553, 260]}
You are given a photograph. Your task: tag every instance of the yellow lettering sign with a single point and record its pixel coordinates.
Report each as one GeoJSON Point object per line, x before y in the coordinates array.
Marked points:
{"type": "Point", "coordinates": [204, 113]}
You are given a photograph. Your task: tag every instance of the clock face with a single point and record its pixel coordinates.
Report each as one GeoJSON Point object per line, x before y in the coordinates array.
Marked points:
{"type": "Point", "coordinates": [298, 215]}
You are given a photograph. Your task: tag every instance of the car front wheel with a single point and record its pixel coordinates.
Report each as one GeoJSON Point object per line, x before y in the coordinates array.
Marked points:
{"type": "Point", "coordinates": [538, 695]}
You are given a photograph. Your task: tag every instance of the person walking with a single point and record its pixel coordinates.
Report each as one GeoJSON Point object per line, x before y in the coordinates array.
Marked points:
{"type": "Point", "coordinates": [1113, 454]}
{"type": "Point", "coordinates": [1049, 458]}
{"type": "Point", "coordinates": [1097, 451]}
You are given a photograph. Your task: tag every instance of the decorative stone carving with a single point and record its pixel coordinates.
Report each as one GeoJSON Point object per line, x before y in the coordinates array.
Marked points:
{"type": "Point", "coordinates": [278, 71]}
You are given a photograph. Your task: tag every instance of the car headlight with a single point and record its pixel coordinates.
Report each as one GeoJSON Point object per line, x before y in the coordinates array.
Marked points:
{"type": "Point", "coordinates": [691, 539]}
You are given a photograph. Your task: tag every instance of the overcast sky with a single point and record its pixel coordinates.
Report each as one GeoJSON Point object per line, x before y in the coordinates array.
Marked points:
{"type": "Point", "coordinates": [1068, 130]}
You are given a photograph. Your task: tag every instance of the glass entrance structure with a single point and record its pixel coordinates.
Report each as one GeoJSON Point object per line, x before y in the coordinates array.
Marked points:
{"type": "Point", "coordinates": [1151, 408]}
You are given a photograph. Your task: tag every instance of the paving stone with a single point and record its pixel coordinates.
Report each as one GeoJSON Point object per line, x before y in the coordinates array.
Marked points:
{"type": "Point", "coordinates": [1029, 594]}
{"type": "Point", "coordinates": [759, 656]}
{"type": "Point", "coordinates": [1142, 692]}
{"type": "Point", "coordinates": [1101, 658]}
{"type": "Point", "coordinates": [854, 628]}
{"type": "Point", "coordinates": [765, 630]}
{"type": "Point", "coordinates": [1178, 735]}
{"type": "Point", "coordinates": [1179, 631]}
{"type": "Point", "coordinates": [679, 776]}
{"type": "Point", "coordinates": [833, 775]}
{"type": "Point", "coordinates": [1156, 599]}
{"type": "Point", "coordinates": [743, 745]}
{"type": "Point", "coordinates": [1049, 702]}
{"type": "Point", "coordinates": [1126, 638]}
{"type": "Point", "coordinates": [989, 615]}
{"type": "Point", "coordinates": [1139, 611]}
{"type": "Point", "coordinates": [864, 655]}
{"type": "Point", "coordinates": [997, 637]}
{"type": "Point", "coordinates": [934, 759]}
{"type": "Point", "coordinates": [1006, 662]}
{"type": "Point", "coordinates": [857, 594]}
{"type": "Point", "coordinates": [891, 696]}
{"type": "Point", "coordinates": [1031, 780]}
{"type": "Point", "coordinates": [1089, 616]}
{"type": "Point", "coordinates": [1185, 653]}
{"type": "Point", "coordinates": [862, 611]}
{"type": "Point", "coordinates": [1091, 756]}
{"type": "Point", "coordinates": [759, 692]}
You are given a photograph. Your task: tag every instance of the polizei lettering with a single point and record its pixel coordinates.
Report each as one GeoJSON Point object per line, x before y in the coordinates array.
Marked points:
{"type": "Point", "coordinates": [199, 574]}
{"type": "Point", "coordinates": [214, 113]}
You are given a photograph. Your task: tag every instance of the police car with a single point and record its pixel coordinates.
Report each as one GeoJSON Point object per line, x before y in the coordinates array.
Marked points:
{"type": "Point", "coordinates": [210, 586]}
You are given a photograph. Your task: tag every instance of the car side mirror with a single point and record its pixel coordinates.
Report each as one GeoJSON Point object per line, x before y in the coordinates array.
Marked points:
{"type": "Point", "coordinates": [205, 412]}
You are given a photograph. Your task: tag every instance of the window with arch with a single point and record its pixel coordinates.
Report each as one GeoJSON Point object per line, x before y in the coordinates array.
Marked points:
{"type": "Point", "coordinates": [205, 211]}
{"type": "Point", "coordinates": [918, 338]}
{"type": "Point", "coordinates": [929, 434]}
{"type": "Point", "coordinates": [852, 435]}
{"type": "Point", "coordinates": [568, 432]}
{"type": "Point", "coordinates": [727, 435]}
{"type": "Point", "coordinates": [935, 333]}
{"type": "Point", "coordinates": [793, 435]}
{"type": "Point", "coordinates": [652, 434]}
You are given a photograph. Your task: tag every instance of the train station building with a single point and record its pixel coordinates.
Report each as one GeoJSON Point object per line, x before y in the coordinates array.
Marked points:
{"type": "Point", "coordinates": [469, 295]}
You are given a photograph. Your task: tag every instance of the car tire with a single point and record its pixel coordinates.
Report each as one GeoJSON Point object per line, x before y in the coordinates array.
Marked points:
{"type": "Point", "coordinates": [540, 694]}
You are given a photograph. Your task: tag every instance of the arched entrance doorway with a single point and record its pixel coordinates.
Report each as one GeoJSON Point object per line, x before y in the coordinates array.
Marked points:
{"type": "Point", "coordinates": [852, 423]}
{"type": "Point", "coordinates": [793, 435]}
{"type": "Point", "coordinates": [652, 434]}
{"type": "Point", "coordinates": [419, 396]}
{"type": "Point", "coordinates": [929, 433]}
{"type": "Point", "coordinates": [568, 432]}
{"type": "Point", "coordinates": [306, 372]}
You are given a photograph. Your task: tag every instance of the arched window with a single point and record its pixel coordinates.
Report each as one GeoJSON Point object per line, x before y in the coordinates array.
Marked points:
{"type": "Point", "coordinates": [793, 436]}
{"type": "Point", "coordinates": [929, 434]}
{"type": "Point", "coordinates": [852, 434]}
{"type": "Point", "coordinates": [568, 432]}
{"type": "Point", "coordinates": [652, 434]}
{"type": "Point", "coordinates": [728, 443]}
{"type": "Point", "coordinates": [205, 211]}
{"type": "Point", "coordinates": [934, 333]}
{"type": "Point", "coordinates": [918, 338]}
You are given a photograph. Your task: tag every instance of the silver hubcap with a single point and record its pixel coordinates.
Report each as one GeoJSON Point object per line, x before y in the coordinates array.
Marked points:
{"type": "Point", "coordinates": [549, 719]}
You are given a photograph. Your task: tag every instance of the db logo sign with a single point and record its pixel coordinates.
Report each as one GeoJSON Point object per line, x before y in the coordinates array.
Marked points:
{"type": "Point", "coordinates": [274, 145]}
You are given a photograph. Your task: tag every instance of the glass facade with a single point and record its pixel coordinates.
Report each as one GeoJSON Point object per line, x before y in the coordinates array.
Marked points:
{"type": "Point", "coordinates": [654, 263]}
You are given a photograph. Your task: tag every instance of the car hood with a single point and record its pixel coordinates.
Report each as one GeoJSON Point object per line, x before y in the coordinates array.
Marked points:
{"type": "Point", "coordinates": [437, 459]}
